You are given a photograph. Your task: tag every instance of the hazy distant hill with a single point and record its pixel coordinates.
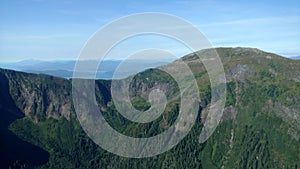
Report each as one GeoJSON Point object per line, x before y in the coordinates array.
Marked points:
{"type": "Point", "coordinates": [65, 68]}
{"type": "Point", "coordinates": [296, 57]}
{"type": "Point", "coordinates": [260, 127]}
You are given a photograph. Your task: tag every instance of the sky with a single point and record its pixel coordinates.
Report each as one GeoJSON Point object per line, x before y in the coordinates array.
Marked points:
{"type": "Point", "coordinates": [58, 29]}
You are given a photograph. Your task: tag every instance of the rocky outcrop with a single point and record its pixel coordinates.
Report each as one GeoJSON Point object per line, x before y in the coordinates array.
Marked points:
{"type": "Point", "coordinates": [229, 113]}
{"type": "Point", "coordinates": [287, 113]}
{"type": "Point", "coordinates": [149, 80]}
{"type": "Point", "coordinates": [239, 73]}
{"type": "Point", "coordinates": [296, 77]}
{"type": "Point", "coordinates": [40, 96]}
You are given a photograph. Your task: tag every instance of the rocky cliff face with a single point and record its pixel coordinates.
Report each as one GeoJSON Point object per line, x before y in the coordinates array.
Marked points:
{"type": "Point", "coordinates": [39, 96]}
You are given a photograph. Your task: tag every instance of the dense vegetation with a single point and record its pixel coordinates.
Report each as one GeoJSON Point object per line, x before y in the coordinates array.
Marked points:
{"type": "Point", "coordinates": [253, 132]}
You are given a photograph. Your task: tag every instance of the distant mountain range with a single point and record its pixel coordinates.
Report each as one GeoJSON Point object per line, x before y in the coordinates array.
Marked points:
{"type": "Point", "coordinates": [65, 69]}
{"type": "Point", "coordinates": [296, 57]}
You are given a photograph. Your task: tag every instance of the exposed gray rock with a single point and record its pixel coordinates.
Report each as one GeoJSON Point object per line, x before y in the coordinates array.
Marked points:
{"type": "Point", "coordinates": [297, 77]}
{"type": "Point", "coordinates": [229, 113]}
{"type": "Point", "coordinates": [40, 96]}
{"type": "Point", "coordinates": [294, 134]}
{"type": "Point", "coordinates": [288, 114]}
{"type": "Point", "coordinates": [239, 72]}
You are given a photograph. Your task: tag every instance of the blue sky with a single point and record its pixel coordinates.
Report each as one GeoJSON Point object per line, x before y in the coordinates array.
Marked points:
{"type": "Point", "coordinates": [58, 29]}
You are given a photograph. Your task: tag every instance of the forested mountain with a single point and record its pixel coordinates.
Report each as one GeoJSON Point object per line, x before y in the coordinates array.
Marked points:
{"type": "Point", "coordinates": [260, 127]}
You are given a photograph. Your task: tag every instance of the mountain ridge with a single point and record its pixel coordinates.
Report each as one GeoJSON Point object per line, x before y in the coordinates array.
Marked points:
{"type": "Point", "coordinates": [260, 86]}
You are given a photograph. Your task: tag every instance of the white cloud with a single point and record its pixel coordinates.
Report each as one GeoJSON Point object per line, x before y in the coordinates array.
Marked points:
{"type": "Point", "coordinates": [254, 21]}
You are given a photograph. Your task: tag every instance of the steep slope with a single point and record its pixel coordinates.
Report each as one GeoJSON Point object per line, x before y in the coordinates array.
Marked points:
{"type": "Point", "coordinates": [263, 91]}
{"type": "Point", "coordinates": [13, 150]}
{"type": "Point", "coordinates": [260, 126]}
